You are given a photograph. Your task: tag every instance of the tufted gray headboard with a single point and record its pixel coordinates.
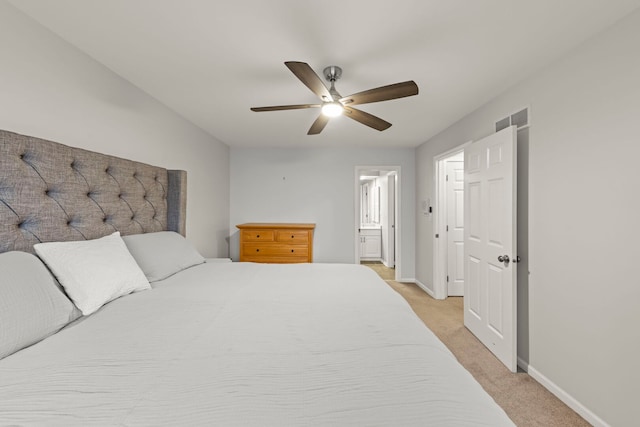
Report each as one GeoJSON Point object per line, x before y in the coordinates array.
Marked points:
{"type": "Point", "coordinates": [52, 192]}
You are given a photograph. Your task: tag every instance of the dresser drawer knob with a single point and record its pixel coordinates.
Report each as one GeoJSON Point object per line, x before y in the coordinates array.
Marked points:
{"type": "Point", "coordinates": [291, 250]}
{"type": "Point", "coordinates": [257, 236]}
{"type": "Point", "coordinates": [257, 250]}
{"type": "Point", "coordinates": [292, 236]}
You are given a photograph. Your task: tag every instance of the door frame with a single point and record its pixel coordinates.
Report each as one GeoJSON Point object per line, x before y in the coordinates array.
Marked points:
{"type": "Point", "coordinates": [440, 221]}
{"type": "Point", "coordinates": [398, 211]}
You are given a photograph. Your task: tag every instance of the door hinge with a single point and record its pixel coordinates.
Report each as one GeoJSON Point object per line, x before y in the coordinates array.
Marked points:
{"type": "Point", "coordinates": [447, 228]}
{"type": "Point", "coordinates": [447, 279]}
{"type": "Point", "coordinates": [437, 236]}
{"type": "Point", "coordinates": [447, 178]}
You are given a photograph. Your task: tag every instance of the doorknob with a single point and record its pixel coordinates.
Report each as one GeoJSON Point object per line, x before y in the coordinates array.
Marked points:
{"type": "Point", "coordinates": [504, 258]}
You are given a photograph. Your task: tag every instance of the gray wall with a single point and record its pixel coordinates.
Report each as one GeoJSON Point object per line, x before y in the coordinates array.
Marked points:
{"type": "Point", "coordinates": [51, 90]}
{"type": "Point", "coordinates": [317, 185]}
{"type": "Point", "coordinates": [582, 314]}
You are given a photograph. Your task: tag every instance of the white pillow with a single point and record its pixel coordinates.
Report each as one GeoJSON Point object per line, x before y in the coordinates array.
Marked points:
{"type": "Point", "coordinates": [93, 272]}
{"type": "Point", "coordinates": [162, 254]}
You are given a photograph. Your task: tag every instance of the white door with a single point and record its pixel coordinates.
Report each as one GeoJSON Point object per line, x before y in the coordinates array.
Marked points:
{"type": "Point", "coordinates": [490, 243]}
{"type": "Point", "coordinates": [391, 249]}
{"type": "Point", "coordinates": [455, 228]}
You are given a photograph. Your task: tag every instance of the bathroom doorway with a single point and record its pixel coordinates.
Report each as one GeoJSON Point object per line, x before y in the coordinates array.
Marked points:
{"type": "Point", "coordinates": [377, 214]}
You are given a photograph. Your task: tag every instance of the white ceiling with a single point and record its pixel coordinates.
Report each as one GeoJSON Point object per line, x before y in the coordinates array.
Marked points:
{"type": "Point", "coordinates": [211, 60]}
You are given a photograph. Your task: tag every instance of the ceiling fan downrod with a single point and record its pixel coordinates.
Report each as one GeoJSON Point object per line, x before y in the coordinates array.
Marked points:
{"type": "Point", "coordinates": [333, 73]}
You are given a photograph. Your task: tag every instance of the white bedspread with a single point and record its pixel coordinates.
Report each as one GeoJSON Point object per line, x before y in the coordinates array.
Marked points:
{"type": "Point", "coordinates": [236, 344]}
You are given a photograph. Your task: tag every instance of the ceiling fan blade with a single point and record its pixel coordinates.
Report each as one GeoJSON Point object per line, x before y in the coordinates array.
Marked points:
{"type": "Point", "coordinates": [383, 93]}
{"type": "Point", "coordinates": [285, 107]}
{"type": "Point", "coordinates": [303, 71]}
{"type": "Point", "coordinates": [366, 119]}
{"type": "Point", "coordinates": [318, 125]}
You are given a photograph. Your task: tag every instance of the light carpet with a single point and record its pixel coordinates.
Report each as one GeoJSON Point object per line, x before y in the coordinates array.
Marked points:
{"type": "Point", "coordinates": [524, 400]}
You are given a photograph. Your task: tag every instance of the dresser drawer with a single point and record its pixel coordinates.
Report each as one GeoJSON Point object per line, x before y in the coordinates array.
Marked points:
{"type": "Point", "coordinates": [276, 259]}
{"type": "Point", "coordinates": [274, 249]}
{"type": "Point", "coordinates": [257, 235]}
{"type": "Point", "coordinates": [292, 236]}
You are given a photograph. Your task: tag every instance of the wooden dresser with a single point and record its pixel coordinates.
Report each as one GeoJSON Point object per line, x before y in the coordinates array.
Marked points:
{"type": "Point", "coordinates": [276, 242]}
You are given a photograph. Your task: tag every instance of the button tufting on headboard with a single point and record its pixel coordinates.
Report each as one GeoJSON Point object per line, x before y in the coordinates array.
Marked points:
{"type": "Point", "coordinates": [52, 192]}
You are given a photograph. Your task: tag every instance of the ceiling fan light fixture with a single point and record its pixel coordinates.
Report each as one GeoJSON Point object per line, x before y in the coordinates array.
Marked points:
{"type": "Point", "coordinates": [332, 109]}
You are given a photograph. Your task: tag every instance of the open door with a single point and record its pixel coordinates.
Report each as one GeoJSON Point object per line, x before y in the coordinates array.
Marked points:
{"type": "Point", "coordinates": [490, 297]}
{"type": "Point", "coordinates": [455, 227]}
{"type": "Point", "coordinates": [391, 214]}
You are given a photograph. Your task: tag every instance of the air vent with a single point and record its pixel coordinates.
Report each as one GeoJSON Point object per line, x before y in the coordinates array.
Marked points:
{"type": "Point", "coordinates": [519, 119]}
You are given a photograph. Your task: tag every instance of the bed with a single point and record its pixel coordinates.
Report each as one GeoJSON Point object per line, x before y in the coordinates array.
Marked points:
{"type": "Point", "coordinates": [198, 342]}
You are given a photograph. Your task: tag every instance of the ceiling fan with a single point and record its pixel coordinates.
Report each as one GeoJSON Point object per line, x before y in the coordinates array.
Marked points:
{"type": "Point", "coordinates": [333, 104]}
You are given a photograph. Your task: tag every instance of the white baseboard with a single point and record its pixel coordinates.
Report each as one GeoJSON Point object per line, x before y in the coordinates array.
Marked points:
{"type": "Point", "coordinates": [569, 400]}
{"type": "Point", "coordinates": [424, 288]}
{"type": "Point", "coordinates": [420, 285]}
{"type": "Point", "coordinates": [523, 364]}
